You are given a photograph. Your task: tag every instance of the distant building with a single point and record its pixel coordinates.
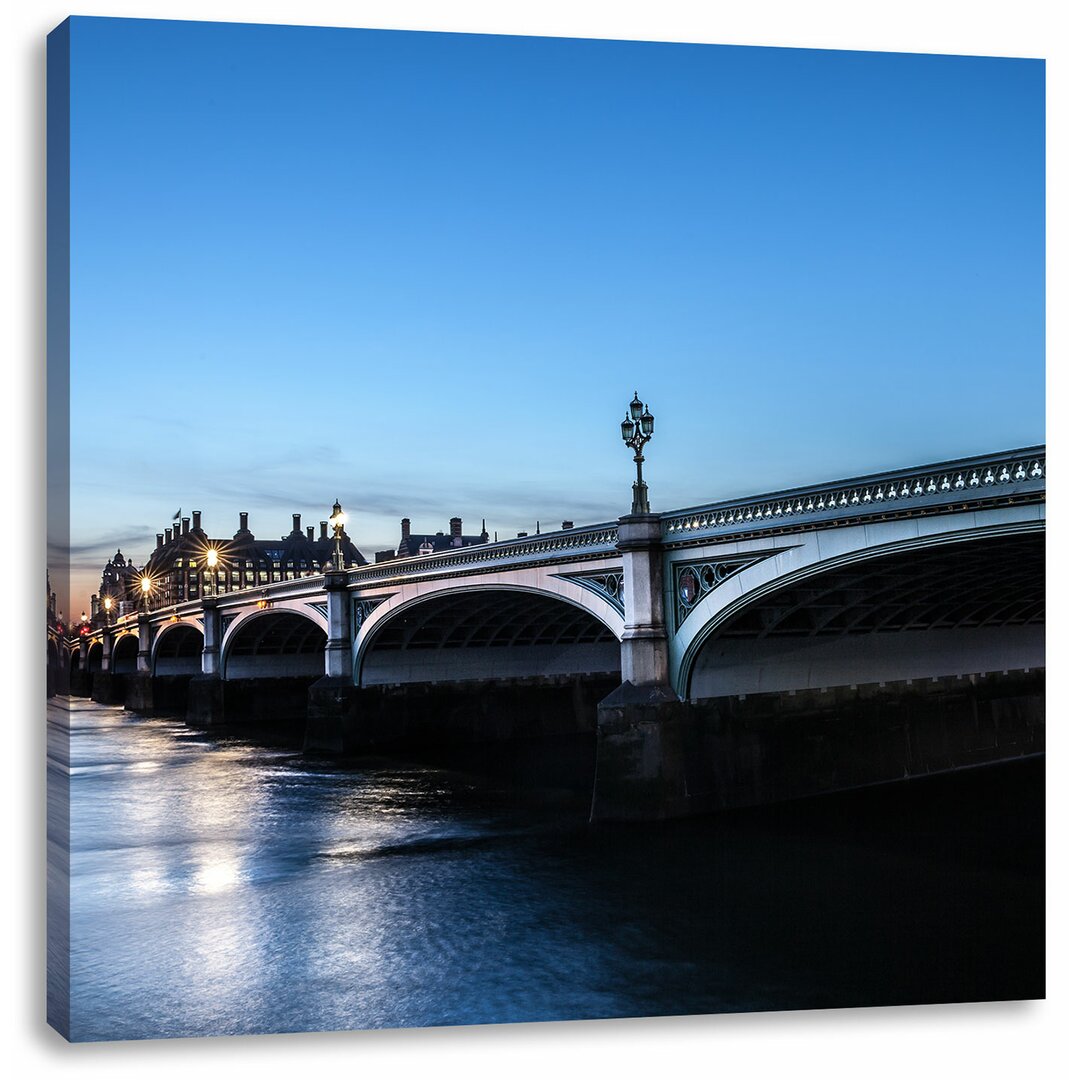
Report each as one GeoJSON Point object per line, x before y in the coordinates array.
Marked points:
{"type": "Point", "coordinates": [179, 569]}
{"type": "Point", "coordinates": [120, 583]}
{"type": "Point", "coordinates": [430, 543]}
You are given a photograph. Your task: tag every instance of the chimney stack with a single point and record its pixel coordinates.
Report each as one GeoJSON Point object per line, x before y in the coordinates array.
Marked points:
{"type": "Point", "coordinates": [455, 531]}
{"type": "Point", "coordinates": [243, 521]}
{"type": "Point", "coordinates": [160, 539]}
{"type": "Point", "coordinates": [185, 524]}
{"type": "Point", "coordinates": [296, 523]}
{"type": "Point", "coordinates": [311, 532]}
{"type": "Point", "coordinates": [405, 523]}
{"type": "Point", "coordinates": [176, 532]}
{"type": "Point", "coordinates": [196, 520]}
{"type": "Point", "coordinates": [322, 530]}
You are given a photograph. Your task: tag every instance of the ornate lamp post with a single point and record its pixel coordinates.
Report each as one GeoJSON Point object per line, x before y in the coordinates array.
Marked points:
{"type": "Point", "coordinates": [145, 584]}
{"type": "Point", "coordinates": [637, 430]}
{"type": "Point", "coordinates": [107, 602]}
{"type": "Point", "coordinates": [337, 520]}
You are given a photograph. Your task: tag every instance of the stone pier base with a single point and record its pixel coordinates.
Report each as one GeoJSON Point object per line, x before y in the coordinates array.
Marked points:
{"type": "Point", "coordinates": [107, 688]}
{"type": "Point", "coordinates": [82, 683]}
{"type": "Point", "coordinates": [205, 701]}
{"type": "Point", "coordinates": [429, 719]}
{"type": "Point", "coordinates": [331, 716]}
{"type": "Point", "coordinates": [139, 692]}
{"type": "Point", "coordinates": [643, 738]}
{"type": "Point", "coordinates": [658, 757]}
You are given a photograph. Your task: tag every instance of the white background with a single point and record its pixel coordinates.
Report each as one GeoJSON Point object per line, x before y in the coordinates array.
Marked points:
{"type": "Point", "coordinates": [1026, 1039]}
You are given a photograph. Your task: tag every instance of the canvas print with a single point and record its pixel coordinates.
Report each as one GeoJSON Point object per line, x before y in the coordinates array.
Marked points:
{"type": "Point", "coordinates": [539, 529]}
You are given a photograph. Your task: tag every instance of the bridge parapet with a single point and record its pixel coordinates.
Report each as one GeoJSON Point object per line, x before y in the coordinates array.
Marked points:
{"type": "Point", "coordinates": [563, 546]}
{"type": "Point", "coordinates": [1014, 475]}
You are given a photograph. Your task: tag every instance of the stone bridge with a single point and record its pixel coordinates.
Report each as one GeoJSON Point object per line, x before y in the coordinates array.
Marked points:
{"type": "Point", "coordinates": [800, 641]}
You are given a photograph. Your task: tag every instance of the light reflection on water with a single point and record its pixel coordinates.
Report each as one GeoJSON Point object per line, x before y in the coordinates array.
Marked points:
{"type": "Point", "coordinates": [219, 887]}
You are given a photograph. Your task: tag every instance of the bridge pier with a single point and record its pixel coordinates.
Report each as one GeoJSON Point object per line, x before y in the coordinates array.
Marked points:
{"type": "Point", "coordinates": [205, 701]}
{"type": "Point", "coordinates": [81, 682]}
{"type": "Point", "coordinates": [643, 730]}
{"type": "Point", "coordinates": [644, 647]}
{"type": "Point", "coordinates": [333, 700]}
{"type": "Point", "coordinates": [107, 687]}
{"type": "Point", "coordinates": [644, 735]}
{"type": "Point", "coordinates": [206, 691]}
{"type": "Point", "coordinates": [139, 687]}
{"type": "Point", "coordinates": [138, 692]}
{"type": "Point", "coordinates": [333, 716]}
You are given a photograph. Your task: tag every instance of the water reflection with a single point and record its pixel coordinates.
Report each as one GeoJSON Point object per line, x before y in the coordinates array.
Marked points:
{"type": "Point", "coordinates": [231, 888]}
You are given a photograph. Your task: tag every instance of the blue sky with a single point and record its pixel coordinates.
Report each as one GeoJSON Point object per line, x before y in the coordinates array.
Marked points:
{"type": "Point", "coordinates": [423, 273]}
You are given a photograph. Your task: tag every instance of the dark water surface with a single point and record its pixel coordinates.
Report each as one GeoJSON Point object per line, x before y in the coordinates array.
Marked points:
{"type": "Point", "coordinates": [220, 887]}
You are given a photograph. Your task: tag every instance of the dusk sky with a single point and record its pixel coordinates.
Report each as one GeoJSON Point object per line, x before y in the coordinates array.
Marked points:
{"type": "Point", "coordinates": [423, 273]}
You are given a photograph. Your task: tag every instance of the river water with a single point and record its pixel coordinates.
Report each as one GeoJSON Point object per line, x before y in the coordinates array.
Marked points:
{"type": "Point", "coordinates": [223, 887]}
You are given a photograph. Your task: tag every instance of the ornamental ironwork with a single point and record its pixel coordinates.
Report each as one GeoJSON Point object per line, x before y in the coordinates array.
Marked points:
{"type": "Point", "coordinates": [363, 606]}
{"type": "Point", "coordinates": [693, 580]}
{"type": "Point", "coordinates": [607, 585]}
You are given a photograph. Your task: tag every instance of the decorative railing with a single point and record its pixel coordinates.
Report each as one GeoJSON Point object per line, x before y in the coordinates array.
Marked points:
{"type": "Point", "coordinates": [930, 485]}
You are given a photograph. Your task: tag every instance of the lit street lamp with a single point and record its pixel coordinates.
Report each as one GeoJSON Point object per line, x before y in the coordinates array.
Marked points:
{"type": "Point", "coordinates": [637, 430]}
{"type": "Point", "coordinates": [211, 570]}
{"type": "Point", "coordinates": [108, 608]}
{"type": "Point", "coordinates": [146, 585]}
{"type": "Point", "coordinates": [337, 520]}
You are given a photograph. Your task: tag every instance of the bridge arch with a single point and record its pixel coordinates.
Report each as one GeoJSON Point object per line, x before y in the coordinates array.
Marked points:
{"type": "Point", "coordinates": [955, 603]}
{"type": "Point", "coordinates": [478, 631]}
{"type": "Point", "coordinates": [125, 654]}
{"type": "Point", "coordinates": [177, 649]}
{"type": "Point", "coordinates": [94, 656]}
{"type": "Point", "coordinates": [275, 643]}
